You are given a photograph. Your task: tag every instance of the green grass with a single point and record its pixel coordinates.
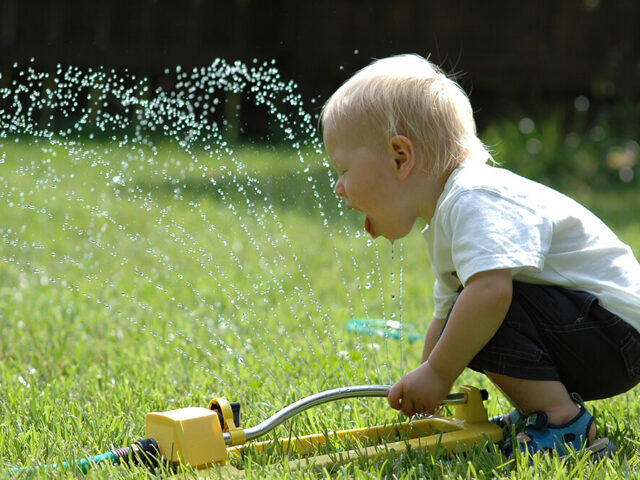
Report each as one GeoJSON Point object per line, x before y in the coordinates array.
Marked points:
{"type": "Point", "coordinates": [138, 280]}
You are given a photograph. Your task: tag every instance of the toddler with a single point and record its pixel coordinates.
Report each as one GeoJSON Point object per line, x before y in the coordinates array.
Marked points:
{"type": "Point", "coordinates": [531, 288]}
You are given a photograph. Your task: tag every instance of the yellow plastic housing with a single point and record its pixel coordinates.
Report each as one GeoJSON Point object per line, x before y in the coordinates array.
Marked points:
{"type": "Point", "coordinates": [189, 435]}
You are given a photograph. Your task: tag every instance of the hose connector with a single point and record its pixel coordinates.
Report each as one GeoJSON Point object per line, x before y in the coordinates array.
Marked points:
{"type": "Point", "coordinates": [144, 452]}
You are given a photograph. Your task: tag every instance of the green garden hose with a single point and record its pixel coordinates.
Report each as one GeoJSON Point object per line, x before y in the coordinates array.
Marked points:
{"type": "Point", "coordinates": [142, 452]}
{"type": "Point", "coordinates": [384, 329]}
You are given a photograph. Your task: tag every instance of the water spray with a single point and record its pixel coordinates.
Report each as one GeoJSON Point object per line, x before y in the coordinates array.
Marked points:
{"type": "Point", "coordinates": [207, 437]}
{"type": "Point", "coordinates": [58, 111]}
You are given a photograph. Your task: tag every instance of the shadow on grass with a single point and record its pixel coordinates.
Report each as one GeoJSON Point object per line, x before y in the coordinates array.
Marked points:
{"type": "Point", "coordinates": [305, 192]}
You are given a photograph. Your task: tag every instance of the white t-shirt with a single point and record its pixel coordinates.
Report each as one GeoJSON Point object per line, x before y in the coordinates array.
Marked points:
{"type": "Point", "coordinates": [488, 218]}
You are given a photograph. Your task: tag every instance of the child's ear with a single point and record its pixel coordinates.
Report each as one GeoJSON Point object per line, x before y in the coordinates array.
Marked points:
{"type": "Point", "coordinates": [403, 154]}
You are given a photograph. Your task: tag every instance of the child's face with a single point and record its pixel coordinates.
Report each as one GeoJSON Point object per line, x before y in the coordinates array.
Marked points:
{"type": "Point", "coordinates": [368, 180]}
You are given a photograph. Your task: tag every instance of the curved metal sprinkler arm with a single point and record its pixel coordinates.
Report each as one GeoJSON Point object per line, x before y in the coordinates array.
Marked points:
{"type": "Point", "coordinates": [324, 397]}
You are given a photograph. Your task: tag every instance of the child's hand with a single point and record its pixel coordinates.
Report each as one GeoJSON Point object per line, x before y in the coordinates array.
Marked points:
{"type": "Point", "coordinates": [421, 390]}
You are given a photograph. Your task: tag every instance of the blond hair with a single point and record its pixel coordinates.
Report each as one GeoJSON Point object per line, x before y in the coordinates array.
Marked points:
{"type": "Point", "coordinates": [408, 95]}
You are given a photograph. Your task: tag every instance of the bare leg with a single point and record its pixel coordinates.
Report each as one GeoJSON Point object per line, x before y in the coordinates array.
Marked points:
{"type": "Point", "coordinates": [550, 397]}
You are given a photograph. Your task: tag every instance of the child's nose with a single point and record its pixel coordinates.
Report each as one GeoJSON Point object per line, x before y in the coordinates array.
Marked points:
{"type": "Point", "coordinates": [339, 188]}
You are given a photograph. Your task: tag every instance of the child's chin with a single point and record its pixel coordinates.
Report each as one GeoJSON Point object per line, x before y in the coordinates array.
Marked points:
{"type": "Point", "coordinates": [390, 234]}
{"type": "Point", "coordinates": [391, 238]}
{"type": "Point", "coordinates": [395, 236]}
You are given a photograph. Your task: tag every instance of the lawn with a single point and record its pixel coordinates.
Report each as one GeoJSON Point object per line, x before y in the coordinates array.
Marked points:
{"type": "Point", "coordinates": [148, 265]}
{"type": "Point", "coordinates": [141, 278]}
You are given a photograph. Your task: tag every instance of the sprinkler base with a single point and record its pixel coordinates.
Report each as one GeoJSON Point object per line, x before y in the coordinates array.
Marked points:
{"type": "Point", "coordinates": [469, 427]}
{"type": "Point", "coordinates": [194, 436]}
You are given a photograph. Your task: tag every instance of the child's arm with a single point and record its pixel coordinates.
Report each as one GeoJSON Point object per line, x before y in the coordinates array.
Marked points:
{"type": "Point", "coordinates": [476, 316]}
{"type": "Point", "coordinates": [431, 338]}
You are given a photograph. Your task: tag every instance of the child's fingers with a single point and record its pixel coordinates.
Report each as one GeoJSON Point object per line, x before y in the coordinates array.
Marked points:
{"type": "Point", "coordinates": [407, 407]}
{"type": "Point", "coordinates": [394, 396]}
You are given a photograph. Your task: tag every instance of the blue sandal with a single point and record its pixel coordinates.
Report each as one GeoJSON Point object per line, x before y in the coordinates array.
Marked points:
{"type": "Point", "coordinates": [559, 439]}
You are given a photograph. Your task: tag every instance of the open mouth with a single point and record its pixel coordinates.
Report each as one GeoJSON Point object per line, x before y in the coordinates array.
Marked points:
{"type": "Point", "coordinates": [368, 226]}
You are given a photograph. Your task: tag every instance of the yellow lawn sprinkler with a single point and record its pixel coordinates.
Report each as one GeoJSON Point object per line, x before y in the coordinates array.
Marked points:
{"type": "Point", "coordinates": [207, 437]}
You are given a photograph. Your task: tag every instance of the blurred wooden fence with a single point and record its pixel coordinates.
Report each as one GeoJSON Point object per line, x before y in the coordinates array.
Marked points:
{"type": "Point", "coordinates": [549, 47]}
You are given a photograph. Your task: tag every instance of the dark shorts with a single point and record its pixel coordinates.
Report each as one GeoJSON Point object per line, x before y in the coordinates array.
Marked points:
{"type": "Point", "coordinates": [551, 333]}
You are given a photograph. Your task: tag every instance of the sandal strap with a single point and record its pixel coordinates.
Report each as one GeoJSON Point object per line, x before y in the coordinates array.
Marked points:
{"type": "Point", "coordinates": [545, 436]}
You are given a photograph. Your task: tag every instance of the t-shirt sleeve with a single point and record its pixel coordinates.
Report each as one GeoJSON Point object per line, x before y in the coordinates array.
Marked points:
{"type": "Point", "coordinates": [443, 299]}
{"type": "Point", "coordinates": [490, 232]}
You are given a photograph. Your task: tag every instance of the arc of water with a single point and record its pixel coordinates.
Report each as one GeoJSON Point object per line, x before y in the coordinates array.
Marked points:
{"type": "Point", "coordinates": [188, 132]}
{"type": "Point", "coordinates": [240, 168]}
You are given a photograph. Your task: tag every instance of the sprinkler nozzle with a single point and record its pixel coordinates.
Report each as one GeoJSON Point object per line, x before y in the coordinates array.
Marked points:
{"type": "Point", "coordinates": [235, 408]}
